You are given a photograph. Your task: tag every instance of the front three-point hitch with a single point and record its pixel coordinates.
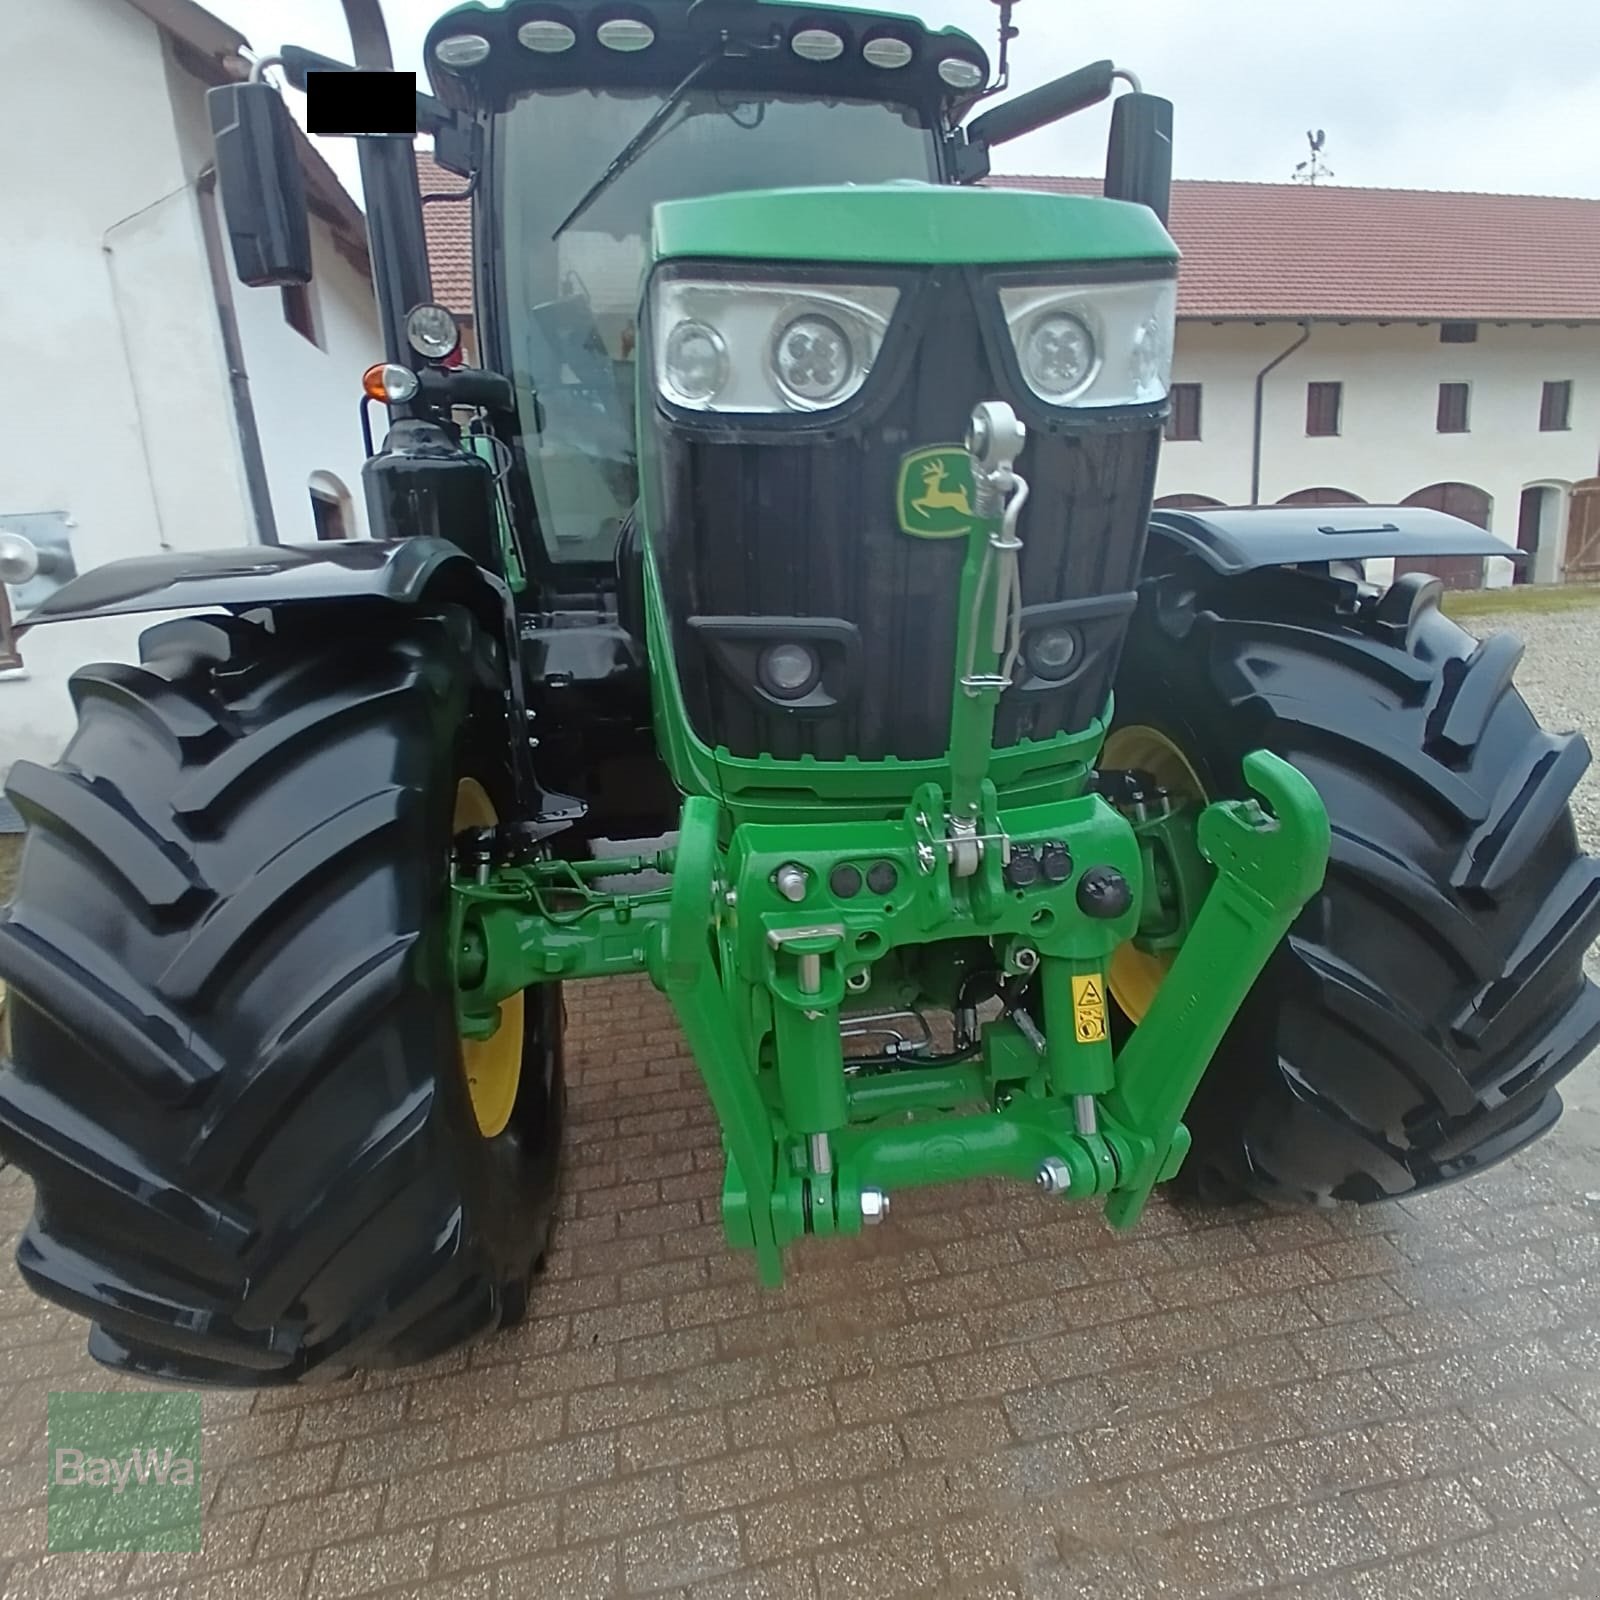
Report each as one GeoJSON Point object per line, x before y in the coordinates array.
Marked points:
{"type": "Point", "coordinates": [787, 946]}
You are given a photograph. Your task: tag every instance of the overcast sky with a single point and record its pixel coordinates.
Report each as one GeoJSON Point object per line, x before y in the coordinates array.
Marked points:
{"type": "Point", "coordinates": [1499, 95]}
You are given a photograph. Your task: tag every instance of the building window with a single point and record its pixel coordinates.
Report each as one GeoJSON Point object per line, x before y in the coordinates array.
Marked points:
{"type": "Point", "coordinates": [1452, 408]}
{"type": "Point", "coordinates": [299, 312]}
{"type": "Point", "coordinates": [1458, 333]}
{"type": "Point", "coordinates": [330, 506]}
{"type": "Point", "coordinates": [1324, 402]}
{"type": "Point", "coordinates": [1555, 407]}
{"type": "Point", "coordinates": [1184, 420]}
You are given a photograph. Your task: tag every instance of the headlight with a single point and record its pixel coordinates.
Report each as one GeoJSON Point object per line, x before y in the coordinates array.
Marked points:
{"type": "Point", "coordinates": [696, 364]}
{"type": "Point", "coordinates": [790, 671]}
{"type": "Point", "coordinates": [432, 331]}
{"type": "Point", "coordinates": [1094, 344]}
{"type": "Point", "coordinates": [1058, 356]}
{"type": "Point", "coordinates": [814, 360]}
{"type": "Point", "coordinates": [778, 346]}
{"type": "Point", "coordinates": [1052, 653]}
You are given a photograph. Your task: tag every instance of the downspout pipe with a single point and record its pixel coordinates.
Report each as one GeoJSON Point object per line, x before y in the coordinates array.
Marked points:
{"type": "Point", "coordinates": [1261, 390]}
{"type": "Point", "coordinates": [244, 411]}
{"type": "Point", "coordinates": [395, 234]}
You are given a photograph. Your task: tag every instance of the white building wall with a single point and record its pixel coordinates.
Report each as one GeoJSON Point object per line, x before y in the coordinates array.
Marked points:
{"type": "Point", "coordinates": [1388, 446]}
{"type": "Point", "coordinates": [126, 411]}
{"type": "Point", "coordinates": [307, 395]}
{"type": "Point", "coordinates": [123, 408]}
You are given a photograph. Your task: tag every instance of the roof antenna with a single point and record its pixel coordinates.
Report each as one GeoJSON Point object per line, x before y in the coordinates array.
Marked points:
{"type": "Point", "coordinates": [1008, 32]}
{"type": "Point", "coordinates": [1314, 168]}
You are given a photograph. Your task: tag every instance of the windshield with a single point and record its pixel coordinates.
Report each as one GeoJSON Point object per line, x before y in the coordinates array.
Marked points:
{"type": "Point", "coordinates": [570, 307]}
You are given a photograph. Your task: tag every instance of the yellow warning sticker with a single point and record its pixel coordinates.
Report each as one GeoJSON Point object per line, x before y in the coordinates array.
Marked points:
{"type": "Point", "coordinates": [1089, 1009]}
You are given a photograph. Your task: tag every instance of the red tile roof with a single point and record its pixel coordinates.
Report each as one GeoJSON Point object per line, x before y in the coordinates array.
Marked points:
{"type": "Point", "coordinates": [1254, 250]}
{"type": "Point", "coordinates": [1293, 250]}
{"type": "Point", "coordinates": [449, 226]}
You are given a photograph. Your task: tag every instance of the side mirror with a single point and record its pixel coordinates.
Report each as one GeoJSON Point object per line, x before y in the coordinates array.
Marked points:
{"type": "Point", "coordinates": [261, 183]}
{"type": "Point", "coordinates": [1063, 97]}
{"type": "Point", "coordinates": [1139, 158]}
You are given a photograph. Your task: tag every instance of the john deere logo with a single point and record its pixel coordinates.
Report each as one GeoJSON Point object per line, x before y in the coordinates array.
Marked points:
{"type": "Point", "coordinates": [936, 493]}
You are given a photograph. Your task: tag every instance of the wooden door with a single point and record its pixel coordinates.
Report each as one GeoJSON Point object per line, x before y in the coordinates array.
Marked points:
{"type": "Point", "coordinates": [1583, 533]}
{"type": "Point", "coordinates": [1471, 504]}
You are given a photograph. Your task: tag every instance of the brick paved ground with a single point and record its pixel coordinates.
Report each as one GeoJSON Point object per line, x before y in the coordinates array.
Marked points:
{"type": "Point", "coordinates": [989, 1396]}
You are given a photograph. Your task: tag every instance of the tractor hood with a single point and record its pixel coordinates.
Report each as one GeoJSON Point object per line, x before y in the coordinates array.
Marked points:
{"type": "Point", "coordinates": [902, 224]}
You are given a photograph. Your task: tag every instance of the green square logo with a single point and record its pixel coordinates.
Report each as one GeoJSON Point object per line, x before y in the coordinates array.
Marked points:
{"type": "Point", "coordinates": [124, 1472]}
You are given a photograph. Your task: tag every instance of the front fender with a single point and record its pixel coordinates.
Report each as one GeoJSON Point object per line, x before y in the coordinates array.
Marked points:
{"type": "Point", "coordinates": [1237, 539]}
{"type": "Point", "coordinates": [401, 571]}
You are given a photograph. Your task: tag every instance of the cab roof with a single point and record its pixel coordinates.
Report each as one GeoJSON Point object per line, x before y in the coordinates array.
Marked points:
{"type": "Point", "coordinates": [788, 46]}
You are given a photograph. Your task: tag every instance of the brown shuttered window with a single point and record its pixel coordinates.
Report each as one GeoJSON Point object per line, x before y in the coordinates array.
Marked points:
{"type": "Point", "coordinates": [1555, 407]}
{"type": "Point", "coordinates": [1324, 402]}
{"type": "Point", "coordinates": [1452, 408]}
{"type": "Point", "coordinates": [1184, 420]}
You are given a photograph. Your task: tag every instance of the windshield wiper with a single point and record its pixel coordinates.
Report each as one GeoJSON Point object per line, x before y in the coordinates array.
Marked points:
{"type": "Point", "coordinates": [634, 148]}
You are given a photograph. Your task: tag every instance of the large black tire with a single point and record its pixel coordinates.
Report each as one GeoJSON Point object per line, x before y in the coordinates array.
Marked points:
{"type": "Point", "coordinates": [1413, 1026]}
{"type": "Point", "coordinates": [233, 1068]}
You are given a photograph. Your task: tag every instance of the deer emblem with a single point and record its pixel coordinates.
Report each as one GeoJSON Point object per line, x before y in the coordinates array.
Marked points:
{"type": "Point", "coordinates": [935, 497]}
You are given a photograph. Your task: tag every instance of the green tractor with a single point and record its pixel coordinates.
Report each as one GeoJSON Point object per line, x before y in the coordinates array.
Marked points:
{"type": "Point", "coordinates": [798, 519]}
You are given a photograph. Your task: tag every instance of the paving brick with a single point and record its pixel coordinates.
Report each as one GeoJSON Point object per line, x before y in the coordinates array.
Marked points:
{"type": "Point", "coordinates": [689, 1552]}
{"type": "Point", "coordinates": [587, 1570]}
{"type": "Point", "coordinates": [609, 1509]}
{"type": "Point", "coordinates": [1224, 1488]}
{"type": "Point", "coordinates": [797, 1414]}
{"type": "Point", "coordinates": [1426, 1512]}
{"type": "Point", "coordinates": [905, 1563]}
{"type": "Point", "coordinates": [561, 1465]}
{"type": "Point", "coordinates": [276, 1478]}
{"type": "Point", "coordinates": [783, 1580]}
{"type": "Point", "coordinates": [444, 1491]}
{"type": "Point", "coordinates": [672, 1441]}
{"type": "Point", "coordinates": [325, 1519]}
{"type": "Point", "coordinates": [367, 1564]}
{"type": "Point", "coordinates": [1314, 1538]}
{"type": "Point", "coordinates": [954, 1431]}
{"type": "Point", "coordinates": [351, 1415]}
{"type": "Point", "coordinates": [1526, 1484]}
{"type": "Point", "coordinates": [737, 1480]}
{"type": "Point", "coordinates": [804, 1522]}
{"type": "Point", "coordinates": [507, 1533]}
{"type": "Point", "coordinates": [388, 1455]}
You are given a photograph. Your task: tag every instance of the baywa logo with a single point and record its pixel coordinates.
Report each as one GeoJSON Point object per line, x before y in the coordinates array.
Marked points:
{"type": "Point", "coordinates": [124, 1472]}
{"type": "Point", "coordinates": [936, 493]}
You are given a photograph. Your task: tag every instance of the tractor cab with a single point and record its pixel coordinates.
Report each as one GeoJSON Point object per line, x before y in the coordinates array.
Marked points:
{"type": "Point", "coordinates": [592, 122]}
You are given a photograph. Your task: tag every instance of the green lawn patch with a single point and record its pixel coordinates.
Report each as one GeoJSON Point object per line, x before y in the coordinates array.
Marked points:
{"type": "Point", "coordinates": [1524, 597]}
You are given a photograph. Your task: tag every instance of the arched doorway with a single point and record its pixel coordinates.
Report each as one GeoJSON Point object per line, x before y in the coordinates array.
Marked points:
{"type": "Point", "coordinates": [332, 512]}
{"type": "Point", "coordinates": [1540, 519]}
{"type": "Point", "coordinates": [1583, 532]}
{"type": "Point", "coordinates": [1471, 504]}
{"type": "Point", "coordinates": [1322, 497]}
{"type": "Point", "coordinates": [1187, 502]}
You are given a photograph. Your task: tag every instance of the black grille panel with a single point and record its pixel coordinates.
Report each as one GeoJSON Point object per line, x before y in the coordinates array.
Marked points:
{"type": "Point", "coordinates": [791, 524]}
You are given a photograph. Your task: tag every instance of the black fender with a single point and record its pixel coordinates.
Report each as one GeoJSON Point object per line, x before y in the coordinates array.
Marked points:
{"type": "Point", "coordinates": [1238, 539]}
{"type": "Point", "coordinates": [399, 571]}
{"type": "Point", "coordinates": [344, 572]}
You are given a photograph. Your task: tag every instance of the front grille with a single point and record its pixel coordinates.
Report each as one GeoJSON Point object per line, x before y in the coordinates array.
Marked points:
{"type": "Point", "coordinates": [801, 523]}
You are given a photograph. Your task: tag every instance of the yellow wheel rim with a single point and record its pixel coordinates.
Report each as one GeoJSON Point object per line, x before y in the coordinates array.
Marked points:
{"type": "Point", "coordinates": [493, 1066]}
{"type": "Point", "coordinates": [1137, 974]}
